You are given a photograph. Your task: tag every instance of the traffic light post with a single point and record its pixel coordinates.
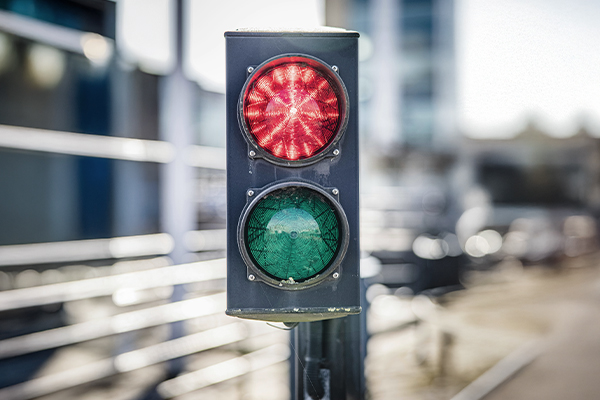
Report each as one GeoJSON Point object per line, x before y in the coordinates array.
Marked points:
{"type": "Point", "coordinates": [292, 193]}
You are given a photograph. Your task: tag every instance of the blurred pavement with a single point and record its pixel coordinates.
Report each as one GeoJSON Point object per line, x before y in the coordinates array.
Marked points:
{"type": "Point", "coordinates": [570, 361]}
{"type": "Point", "coordinates": [460, 336]}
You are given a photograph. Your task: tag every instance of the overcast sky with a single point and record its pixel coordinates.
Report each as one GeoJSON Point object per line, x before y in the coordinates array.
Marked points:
{"type": "Point", "coordinates": [524, 59]}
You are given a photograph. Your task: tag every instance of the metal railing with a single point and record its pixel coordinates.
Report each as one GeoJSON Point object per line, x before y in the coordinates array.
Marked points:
{"type": "Point", "coordinates": [118, 148]}
{"type": "Point", "coordinates": [209, 303]}
{"type": "Point", "coordinates": [130, 268]}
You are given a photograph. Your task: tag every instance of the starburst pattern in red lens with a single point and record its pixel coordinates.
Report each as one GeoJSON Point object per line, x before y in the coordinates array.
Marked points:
{"type": "Point", "coordinates": [292, 111]}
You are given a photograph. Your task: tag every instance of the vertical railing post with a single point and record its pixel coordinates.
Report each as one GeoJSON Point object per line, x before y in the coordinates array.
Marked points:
{"type": "Point", "coordinates": [177, 214]}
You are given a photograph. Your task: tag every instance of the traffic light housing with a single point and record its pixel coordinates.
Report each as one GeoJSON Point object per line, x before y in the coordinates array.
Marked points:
{"type": "Point", "coordinates": [292, 175]}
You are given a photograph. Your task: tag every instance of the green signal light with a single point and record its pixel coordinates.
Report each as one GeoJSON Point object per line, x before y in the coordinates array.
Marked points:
{"type": "Point", "coordinates": [293, 233]}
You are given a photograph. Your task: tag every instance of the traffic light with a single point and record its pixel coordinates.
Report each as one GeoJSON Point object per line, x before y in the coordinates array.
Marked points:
{"type": "Point", "coordinates": [292, 175]}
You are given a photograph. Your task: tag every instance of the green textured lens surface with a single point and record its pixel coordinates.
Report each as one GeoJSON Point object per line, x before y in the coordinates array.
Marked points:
{"type": "Point", "coordinates": [293, 232]}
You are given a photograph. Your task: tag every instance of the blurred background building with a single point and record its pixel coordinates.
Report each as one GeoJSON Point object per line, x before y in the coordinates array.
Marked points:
{"type": "Point", "coordinates": [479, 124]}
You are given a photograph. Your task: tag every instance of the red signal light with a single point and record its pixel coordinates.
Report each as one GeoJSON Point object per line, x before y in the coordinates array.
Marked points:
{"type": "Point", "coordinates": [293, 108]}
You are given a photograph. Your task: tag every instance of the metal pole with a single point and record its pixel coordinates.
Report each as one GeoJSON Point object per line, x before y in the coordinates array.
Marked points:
{"type": "Point", "coordinates": [176, 202]}
{"type": "Point", "coordinates": [329, 360]}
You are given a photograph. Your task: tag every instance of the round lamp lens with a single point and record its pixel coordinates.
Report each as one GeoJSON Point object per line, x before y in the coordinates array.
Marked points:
{"type": "Point", "coordinates": [294, 108]}
{"type": "Point", "coordinates": [293, 233]}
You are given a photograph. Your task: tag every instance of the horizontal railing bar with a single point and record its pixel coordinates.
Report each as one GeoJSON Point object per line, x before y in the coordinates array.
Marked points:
{"type": "Point", "coordinates": [118, 148]}
{"type": "Point", "coordinates": [125, 362]}
{"type": "Point", "coordinates": [210, 239]}
{"type": "Point", "coordinates": [180, 347]}
{"type": "Point", "coordinates": [81, 144]}
{"type": "Point", "coordinates": [101, 249]}
{"type": "Point", "coordinates": [84, 250]}
{"type": "Point", "coordinates": [43, 32]}
{"type": "Point", "coordinates": [102, 327]}
{"type": "Point", "coordinates": [194, 343]}
{"type": "Point", "coordinates": [106, 286]}
{"type": "Point", "coordinates": [223, 371]}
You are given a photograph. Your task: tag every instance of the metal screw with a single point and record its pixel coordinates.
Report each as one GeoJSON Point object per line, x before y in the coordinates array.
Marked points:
{"type": "Point", "coordinates": [250, 193]}
{"type": "Point", "coordinates": [251, 277]}
{"type": "Point", "coordinates": [335, 192]}
{"type": "Point", "coordinates": [336, 275]}
{"type": "Point", "coordinates": [335, 68]}
{"type": "Point", "coordinates": [252, 153]}
{"type": "Point", "coordinates": [336, 152]}
{"type": "Point", "coordinates": [250, 69]}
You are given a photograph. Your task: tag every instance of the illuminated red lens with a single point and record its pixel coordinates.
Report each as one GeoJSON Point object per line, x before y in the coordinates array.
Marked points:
{"type": "Point", "coordinates": [292, 110]}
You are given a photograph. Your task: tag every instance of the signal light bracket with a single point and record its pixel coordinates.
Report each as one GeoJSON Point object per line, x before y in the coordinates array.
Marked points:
{"type": "Point", "coordinates": [250, 69]}
{"type": "Point", "coordinates": [255, 152]}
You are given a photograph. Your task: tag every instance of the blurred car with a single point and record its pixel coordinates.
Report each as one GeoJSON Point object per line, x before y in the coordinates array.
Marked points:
{"type": "Point", "coordinates": [530, 234]}
{"type": "Point", "coordinates": [410, 231]}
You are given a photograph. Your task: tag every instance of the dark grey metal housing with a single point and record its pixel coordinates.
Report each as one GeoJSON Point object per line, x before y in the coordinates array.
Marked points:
{"type": "Point", "coordinates": [330, 298]}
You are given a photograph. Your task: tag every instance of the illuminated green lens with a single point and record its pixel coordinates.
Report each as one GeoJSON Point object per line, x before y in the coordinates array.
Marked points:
{"type": "Point", "coordinates": [293, 232]}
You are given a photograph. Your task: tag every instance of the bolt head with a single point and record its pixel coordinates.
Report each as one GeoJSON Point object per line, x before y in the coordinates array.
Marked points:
{"type": "Point", "coordinates": [251, 277]}
{"type": "Point", "coordinates": [336, 275]}
{"type": "Point", "coordinates": [336, 152]}
{"type": "Point", "coordinates": [335, 68]}
{"type": "Point", "coordinates": [335, 192]}
{"type": "Point", "coordinates": [252, 153]}
{"type": "Point", "coordinates": [250, 193]}
{"type": "Point", "coordinates": [250, 69]}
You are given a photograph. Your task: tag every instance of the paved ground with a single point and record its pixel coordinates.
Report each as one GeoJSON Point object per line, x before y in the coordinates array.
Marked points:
{"type": "Point", "coordinates": [464, 334]}
{"type": "Point", "coordinates": [569, 365]}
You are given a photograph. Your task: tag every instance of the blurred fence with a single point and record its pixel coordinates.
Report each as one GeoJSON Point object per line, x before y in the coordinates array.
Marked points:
{"type": "Point", "coordinates": [129, 293]}
{"type": "Point", "coordinates": [80, 318]}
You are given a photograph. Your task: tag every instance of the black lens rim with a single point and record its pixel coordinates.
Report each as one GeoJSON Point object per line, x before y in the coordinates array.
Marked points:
{"type": "Point", "coordinates": [262, 275]}
{"type": "Point", "coordinates": [336, 83]}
